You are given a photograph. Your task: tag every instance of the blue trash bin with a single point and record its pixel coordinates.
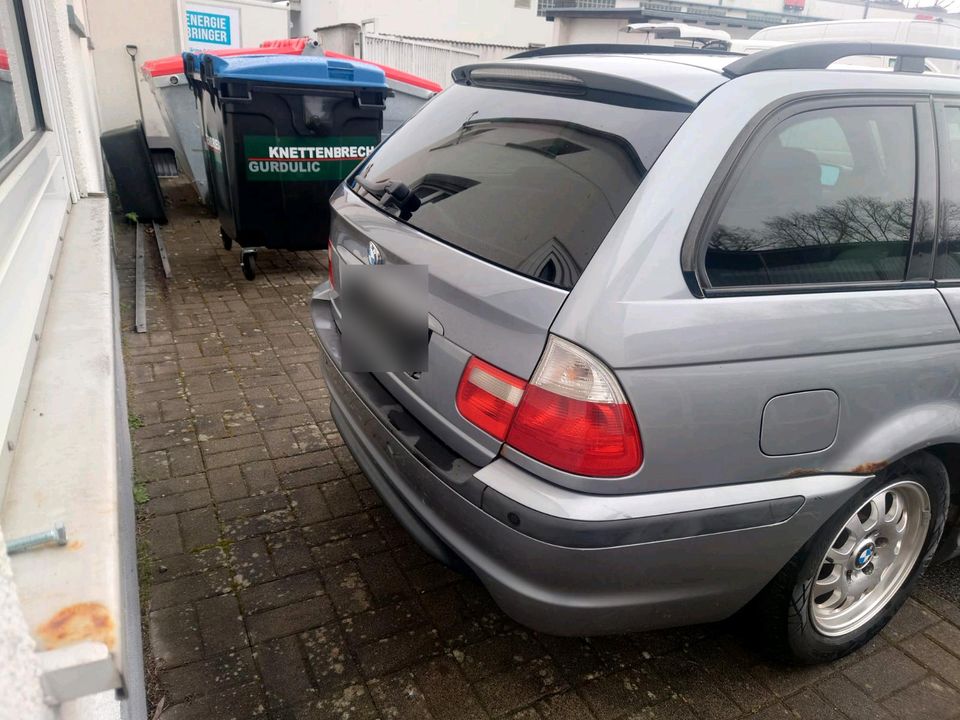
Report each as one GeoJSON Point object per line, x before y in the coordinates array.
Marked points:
{"type": "Point", "coordinates": [280, 133]}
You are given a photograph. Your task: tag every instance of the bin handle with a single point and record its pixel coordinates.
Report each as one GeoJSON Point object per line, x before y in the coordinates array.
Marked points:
{"type": "Point", "coordinates": [375, 106]}
{"type": "Point", "coordinates": [235, 98]}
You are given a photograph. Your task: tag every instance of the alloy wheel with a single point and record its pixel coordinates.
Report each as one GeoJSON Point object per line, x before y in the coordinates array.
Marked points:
{"type": "Point", "coordinates": [870, 559]}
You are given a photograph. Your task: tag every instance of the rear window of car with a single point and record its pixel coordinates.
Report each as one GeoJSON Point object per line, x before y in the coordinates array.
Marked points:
{"type": "Point", "coordinates": [530, 182]}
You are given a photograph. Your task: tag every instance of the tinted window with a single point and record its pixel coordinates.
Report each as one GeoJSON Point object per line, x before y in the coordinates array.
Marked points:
{"type": "Point", "coordinates": [948, 263]}
{"type": "Point", "coordinates": [530, 182]}
{"type": "Point", "coordinates": [18, 117]}
{"type": "Point", "coordinates": [827, 197]}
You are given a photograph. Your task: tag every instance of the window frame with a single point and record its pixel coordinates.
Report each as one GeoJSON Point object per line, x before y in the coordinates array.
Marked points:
{"type": "Point", "coordinates": [31, 137]}
{"type": "Point", "coordinates": [940, 103]}
{"type": "Point", "coordinates": [919, 271]}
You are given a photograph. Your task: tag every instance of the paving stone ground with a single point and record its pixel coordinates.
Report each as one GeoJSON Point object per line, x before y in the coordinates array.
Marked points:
{"type": "Point", "coordinates": [280, 587]}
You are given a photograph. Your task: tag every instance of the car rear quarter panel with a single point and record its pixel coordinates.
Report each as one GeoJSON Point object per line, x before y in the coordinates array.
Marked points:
{"type": "Point", "coordinates": [700, 370]}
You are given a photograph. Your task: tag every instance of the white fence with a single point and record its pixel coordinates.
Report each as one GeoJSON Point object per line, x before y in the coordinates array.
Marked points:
{"type": "Point", "coordinates": [428, 60]}
{"type": "Point", "coordinates": [487, 53]}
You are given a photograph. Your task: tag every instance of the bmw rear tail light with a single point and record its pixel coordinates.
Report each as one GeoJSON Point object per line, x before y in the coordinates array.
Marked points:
{"type": "Point", "coordinates": [488, 397]}
{"type": "Point", "coordinates": [575, 417]}
{"type": "Point", "coordinates": [572, 415]}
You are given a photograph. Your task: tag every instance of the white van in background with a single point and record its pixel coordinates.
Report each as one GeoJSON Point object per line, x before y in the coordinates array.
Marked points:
{"type": "Point", "coordinates": [920, 32]}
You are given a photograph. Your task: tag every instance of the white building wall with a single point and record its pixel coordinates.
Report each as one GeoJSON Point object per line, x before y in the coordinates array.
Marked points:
{"type": "Point", "coordinates": [568, 30]}
{"type": "Point", "coordinates": [837, 10]}
{"type": "Point", "coordinates": [154, 27]}
{"type": "Point", "coordinates": [825, 9]}
{"type": "Point", "coordinates": [35, 198]}
{"type": "Point", "coordinates": [151, 26]}
{"type": "Point", "coordinates": [78, 93]}
{"type": "Point", "coordinates": [495, 22]}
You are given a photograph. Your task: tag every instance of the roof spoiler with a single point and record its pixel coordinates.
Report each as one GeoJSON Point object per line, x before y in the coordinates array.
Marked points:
{"type": "Point", "coordinates": [820, 55]}
{"type": "Point", "coordinates": [570, 82]}
{"type": "Point", "coordinates": [615, 49]}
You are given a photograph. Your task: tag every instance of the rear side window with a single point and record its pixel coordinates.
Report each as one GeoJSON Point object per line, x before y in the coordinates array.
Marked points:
{"type": "Point", "coordinates": [826, 197]}
{"type": "Point", "coordinates": [530, 182]}
{"type": "Point", "coordinates": [948, 263]}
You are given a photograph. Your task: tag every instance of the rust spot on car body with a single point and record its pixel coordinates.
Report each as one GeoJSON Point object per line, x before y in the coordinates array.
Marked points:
{"type": "Point", "coordinates": [870, 468]}
{"type": "Point", "coordinates": [801, 472]}
{"type": "Point", "coordinates": [75, 623]}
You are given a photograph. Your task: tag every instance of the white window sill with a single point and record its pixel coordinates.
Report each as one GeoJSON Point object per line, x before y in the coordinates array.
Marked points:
{"type": "Point", "coordinates": [72, 464]}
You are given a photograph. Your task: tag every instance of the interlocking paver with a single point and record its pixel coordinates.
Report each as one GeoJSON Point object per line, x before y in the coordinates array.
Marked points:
{"type": "Point", "coordinates": [332, 547]}
{"type": "Point", "coordinates": [167, 503]}
{"type": "Point", "coordinates": [221, 625]}
{"type": "Point", "coordinates": [163, 536]}
{"type": "Point", "coordinates": [201, 561]}
{"type": "Point", "coordinates": [930, 699]}
{"type": "Point", "coordinates": [175, 635]}
{"type": "Point", "coordinates": [523, 685]}
{"type": "Point", "coordinates": [911, 619]}
{"type": "Point", "coordinates": [399, 697]}
{"type": "Point", "coordinates": [446, 690]}
{"type": "Point", "coordinates": [252, 562]}
{"type": "Point", "coordinates": [808, 705]}
{"type": "Point", "coordinates": [387, 655]}
{"type": "Point", "coordinates": [932, 656]}
{"type": "Point", "coordinates": [283, 667]}
{"type": "Point", "coordinates": [216, 672]}
{"type": "Point", "coordinates": [289, 552]}
{"type": "Point", "coordinates": [282, 587]}
{"type": "Point", "coordinates": [243, 701]}
{"type": "Point", "coordinates": [187, 589]}
{"type": "Point", "coordinates": [289, 619]}
{"type": "Point", "coordinates": [850, 700]}
{"type": "Point", "coordinates": [383, 622]}
{"type": "Point", "coordinates": [885, 672]}
{"type": "Point", "coordinates": [226, 484]}
{"type": "Point", "coordinates": [309, 505]}
{"type": "Point", "coordinates": [199, 528]}
{"type": "Point", "coordinates": [284, 591]}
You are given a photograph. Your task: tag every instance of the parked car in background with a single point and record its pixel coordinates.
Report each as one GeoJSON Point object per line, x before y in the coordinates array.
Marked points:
{"type": "Point", "coordinates": [921, 32]}
{"type": "Point", "coordinates": [689, 321]}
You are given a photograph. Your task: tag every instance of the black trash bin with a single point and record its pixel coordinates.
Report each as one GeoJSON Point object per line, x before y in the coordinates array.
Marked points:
{"type": "Point", "coordinates": [280, 133]}
{"type": "Point", "coordinates": [128, 157]}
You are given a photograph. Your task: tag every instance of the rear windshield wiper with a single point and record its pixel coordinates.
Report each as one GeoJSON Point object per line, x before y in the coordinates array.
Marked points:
{"type": "Point", "coordinates": [392, 193]}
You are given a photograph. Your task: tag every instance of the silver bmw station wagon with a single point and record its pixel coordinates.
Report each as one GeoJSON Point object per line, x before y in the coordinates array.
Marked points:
{"type": "Point", "coordinates": [646, 337]}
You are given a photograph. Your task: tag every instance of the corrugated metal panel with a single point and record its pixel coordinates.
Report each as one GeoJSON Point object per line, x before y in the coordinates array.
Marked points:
{"type": "Point", "coordinates": [486, 52]}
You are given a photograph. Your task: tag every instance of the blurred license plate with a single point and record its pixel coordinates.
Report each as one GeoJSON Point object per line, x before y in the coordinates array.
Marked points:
{"type": "Point", "coordinates": [384, 318]}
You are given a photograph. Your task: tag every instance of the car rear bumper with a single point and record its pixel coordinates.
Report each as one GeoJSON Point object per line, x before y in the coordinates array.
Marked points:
{"type": "Point", "coordinates": [556, 572]}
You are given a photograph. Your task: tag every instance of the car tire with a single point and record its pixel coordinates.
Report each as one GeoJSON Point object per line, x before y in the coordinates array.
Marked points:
{"type": "Point", "coordinates": [809, 611]}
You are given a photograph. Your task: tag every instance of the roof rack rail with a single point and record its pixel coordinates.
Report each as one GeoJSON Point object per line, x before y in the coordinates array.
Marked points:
{"type": "Point", "coordinates": [614, 49]}
{"type": "Point", "coordinates": [820, 55]}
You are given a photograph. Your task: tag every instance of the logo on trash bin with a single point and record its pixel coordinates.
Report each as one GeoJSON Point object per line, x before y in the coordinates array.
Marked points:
{"type": "Point", "coordinates": [304, 158]}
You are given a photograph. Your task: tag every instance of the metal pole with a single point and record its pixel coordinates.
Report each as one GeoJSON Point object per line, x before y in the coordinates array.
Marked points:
{"type": "Point", "coordinates": [162, 249]}
{"type": "Point", "coordinates": [140, 306]}
{"type": "Point", "coordinates": [866, 8]}
{"type": "Point", "coordinates": [132, 52]}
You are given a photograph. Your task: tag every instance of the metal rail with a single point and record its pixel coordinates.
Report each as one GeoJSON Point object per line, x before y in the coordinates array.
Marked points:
{"type": "Point", "coordinates": [821, 55]}
{"type": "Point", "coordinates": [162, 249]}
{"type": "Point", "coordinates": [141, 284]}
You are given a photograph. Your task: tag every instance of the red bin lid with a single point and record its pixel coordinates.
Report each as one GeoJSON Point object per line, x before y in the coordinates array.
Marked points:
{"type": "Point", "coordinates": [173, 64]}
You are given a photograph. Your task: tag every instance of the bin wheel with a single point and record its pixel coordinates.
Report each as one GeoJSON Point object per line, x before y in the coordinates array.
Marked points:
{"type": "Point", "coordinates": [249, 264]}
{"type": "Point", "coordinates": [226, 240]}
